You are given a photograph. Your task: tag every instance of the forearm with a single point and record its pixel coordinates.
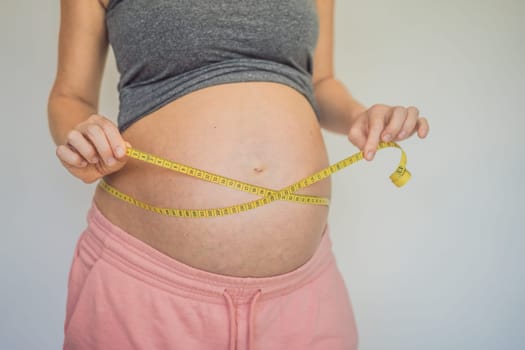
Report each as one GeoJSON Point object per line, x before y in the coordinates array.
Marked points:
{"type": "Point", "coordinates": [338, 108]}
{"type": "Point", "coordinates": [64, 113]}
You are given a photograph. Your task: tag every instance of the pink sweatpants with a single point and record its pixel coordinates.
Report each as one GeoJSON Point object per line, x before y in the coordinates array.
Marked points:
{"type": "Point", "coordinates": [124, 294]}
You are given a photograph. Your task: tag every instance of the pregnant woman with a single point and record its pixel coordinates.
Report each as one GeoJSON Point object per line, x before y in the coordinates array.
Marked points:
{"type": "Point", "coordinates": [236, 88]}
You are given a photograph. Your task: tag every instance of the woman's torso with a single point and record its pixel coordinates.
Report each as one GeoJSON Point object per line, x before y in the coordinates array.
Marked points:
{"type": "Point", "coordinates": [261, 132]}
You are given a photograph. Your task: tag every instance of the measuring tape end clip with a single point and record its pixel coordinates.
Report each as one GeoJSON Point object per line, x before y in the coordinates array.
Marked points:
{"type": "Point", "coordinates": [400, 179]}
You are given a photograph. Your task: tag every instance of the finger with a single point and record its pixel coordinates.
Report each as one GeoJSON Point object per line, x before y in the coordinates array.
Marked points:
{"type": "Point", "coordinates": [357, 133]}
{"type": "Point", "coordinates": [409, 126]}
{"type": "Point", "coordinates": [422, 127]}
{"type": "Point", "coordinates": [376, 124]}
{"type": "Point", "coordinates": [114, 138]}
{"type": "Point", "coordinates": [96, 136]}
{"type": "Point", "coordinates": [69, 157]}
{"type": "Point", "coordinates": [82, 146]}
{"type": "Point", "coordinates": [399, 115]}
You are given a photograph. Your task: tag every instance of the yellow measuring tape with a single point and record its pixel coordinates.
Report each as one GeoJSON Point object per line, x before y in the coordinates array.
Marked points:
{"type": "Point", "coordinates": [399, 177]}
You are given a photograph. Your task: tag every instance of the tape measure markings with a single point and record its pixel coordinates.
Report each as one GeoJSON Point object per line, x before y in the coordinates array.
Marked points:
{"type": "Point", "coordinates": [208, 176]}
{"type": "Point", "coordinates": [399, 177]}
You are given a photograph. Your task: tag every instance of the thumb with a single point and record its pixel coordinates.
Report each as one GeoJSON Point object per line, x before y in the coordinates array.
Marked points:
{"type": "Point", "coordinates": [358, 132]}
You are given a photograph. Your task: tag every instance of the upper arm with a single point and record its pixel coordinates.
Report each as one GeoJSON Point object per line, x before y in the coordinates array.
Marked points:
{"type": "Point", "coordinates": [323, 62]}
{"type": "Point", "coordinates": [82, 50]}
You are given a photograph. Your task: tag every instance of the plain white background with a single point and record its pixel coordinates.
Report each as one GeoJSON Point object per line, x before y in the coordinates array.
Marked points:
{"type": "Point", "coordinates": [437, 264]}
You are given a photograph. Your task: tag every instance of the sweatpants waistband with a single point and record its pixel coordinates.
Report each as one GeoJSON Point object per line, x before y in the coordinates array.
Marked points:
{"type": "Point", "coordinates": [104, 240]}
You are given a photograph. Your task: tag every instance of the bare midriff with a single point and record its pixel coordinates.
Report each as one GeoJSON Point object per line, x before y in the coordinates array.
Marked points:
{"type": "Point", "coordinates": [263, 133]}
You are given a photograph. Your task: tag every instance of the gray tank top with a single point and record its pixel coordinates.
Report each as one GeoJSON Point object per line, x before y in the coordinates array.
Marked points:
{"type": "Point", "coordinates": [165, 49]}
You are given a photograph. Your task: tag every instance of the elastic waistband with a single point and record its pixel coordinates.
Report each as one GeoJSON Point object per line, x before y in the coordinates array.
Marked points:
{"type": "Point", "coordinates": [111, 243]}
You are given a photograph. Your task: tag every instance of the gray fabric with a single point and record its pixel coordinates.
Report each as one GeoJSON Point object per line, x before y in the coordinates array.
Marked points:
{"type": "Point", "coordinates": [165, 49]}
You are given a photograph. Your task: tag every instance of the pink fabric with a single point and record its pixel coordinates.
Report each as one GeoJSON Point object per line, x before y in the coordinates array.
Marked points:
{"type": "Point", "coordinates": [124, 294]}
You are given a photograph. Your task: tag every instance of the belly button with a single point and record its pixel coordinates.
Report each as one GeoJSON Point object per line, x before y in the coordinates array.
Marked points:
{"type": "Point", "coordinates": [258, 169]}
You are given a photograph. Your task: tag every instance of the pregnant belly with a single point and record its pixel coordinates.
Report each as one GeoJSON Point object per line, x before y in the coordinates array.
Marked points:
{"type": "Point", "coordinates": [263, 133]}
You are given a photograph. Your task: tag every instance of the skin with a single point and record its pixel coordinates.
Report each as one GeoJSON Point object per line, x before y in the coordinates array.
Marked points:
{"type": "Point", "coordinates": [90, 146]}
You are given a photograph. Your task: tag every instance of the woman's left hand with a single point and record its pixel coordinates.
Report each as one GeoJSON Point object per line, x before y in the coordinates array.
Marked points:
{"type": "Point", "coordinates": [385, 123]}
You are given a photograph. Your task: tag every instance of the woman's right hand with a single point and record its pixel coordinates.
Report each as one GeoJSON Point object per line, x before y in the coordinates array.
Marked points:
{"type": "Point", "coordinates": [93, 148]}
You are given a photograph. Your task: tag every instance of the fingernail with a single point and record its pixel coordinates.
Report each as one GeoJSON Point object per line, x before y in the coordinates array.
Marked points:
{"type": "Point", "coordinates": [401, 134]}
{"type": "Point", "coordinates": [94, 160]}
{"type": "Point", "coordinates": [370, 155]}
{"type": "Point", "coordinates": [119, 151]}
{"type": "Point", "coordinates": [110, 161]}
{"type": "Point", "coordinates": [387, 137]}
